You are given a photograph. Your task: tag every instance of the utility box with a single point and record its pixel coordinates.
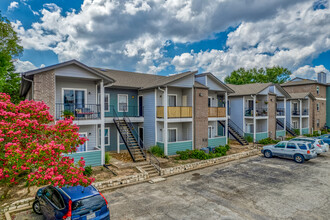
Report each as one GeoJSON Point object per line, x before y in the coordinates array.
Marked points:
{"type": "Point", "coordinates": [205, 149]}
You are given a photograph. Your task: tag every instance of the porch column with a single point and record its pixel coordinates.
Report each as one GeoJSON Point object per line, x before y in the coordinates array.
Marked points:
{"type": "Point", "coordinates": [254, 119]}
{"type": "Point", "coordinates": [285, 114]}
{"type": "Point", "coordinates": [165, 122]}
{"type": "Point", "coordinates": [226, 107]}
{"type": "Point", "coordinates": [300, 114]}
{"type": "Point", "coordinates": [102, 122]}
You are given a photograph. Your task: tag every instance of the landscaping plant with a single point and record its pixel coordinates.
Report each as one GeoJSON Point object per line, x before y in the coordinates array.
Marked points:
{"type": "Point", "coordinates": [32, 147]}
{"type": "Point", "coordinates": [88, 171]}
{"type": "Point", "coordinates": [201, 155]}
{"type": "Point", "coordinates": [267, 141]}
{"type": "Point", "coordinates": [157, 151]}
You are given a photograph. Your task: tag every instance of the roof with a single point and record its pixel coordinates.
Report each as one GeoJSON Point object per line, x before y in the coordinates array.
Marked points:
{"type": "Point", "coordinates": [301, 81]}
{"type": "Point", "coordinates": [200, 85]}
{"type": "Point", "coordinates": [248, 89]}
{"type": "Point", "coordinates": [79, 192]}
{"type": "Point", "coordinates": [219, 82]}
{"type": "Point", "coordinates": [301, 95]}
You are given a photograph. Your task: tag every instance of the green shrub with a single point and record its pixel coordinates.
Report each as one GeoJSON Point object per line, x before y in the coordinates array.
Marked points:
{"type": "Point", "coordinates": [157, 151]}
{"type": "Point", "coordinates": [308, 135]}
{"type": "Point", "coordinates": [201, 155]}
{"type": "Point", "coordinates": [249, 139]}
{"type": "Point", "coordinates": [268, 140]}
{"type": "Point", "coordinates": [221, 150]}
{"type": "Point", "coordinates": [227, 147]}
{"type": "Point", "coordinates": [288, 138]}
{"type": "Point", "coordinates": [324, 132]}
{"type": "Point", "coordinates": [297, 131]}
{"type": "Point", "coordinates": [316, 133]}
{"type": "Point", "coordinates": [88, 171]}
{"type": "Point", "coordinates": [107, 158]}
{"type": "Point", "coordinates": [183, 155]}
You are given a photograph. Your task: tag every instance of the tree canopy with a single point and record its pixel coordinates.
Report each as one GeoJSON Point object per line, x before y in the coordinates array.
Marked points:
{"type": "Point", "coordinates": [274, 74]}
{"type": "Point", "coordinates": [9, 49]}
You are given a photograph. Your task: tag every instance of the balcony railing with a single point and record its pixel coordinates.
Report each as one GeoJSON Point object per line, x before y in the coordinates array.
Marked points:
{"type": "Point", "coordinates": [217, 112]}
{"type": "Point", "coordinates": [78, 111]}
{"type": "Point", "coordinates": [259, 112]}
{"type": "Point", "coordinates": [297, 112]}
{"type": "Point", "coordinates": [128, 111]}
{"type": "Point", "coordinates": [175, 112]}
{"type": "Point", "coordinates": [305, 111]}
{"type": "Point", "coordinates": [280, 112]}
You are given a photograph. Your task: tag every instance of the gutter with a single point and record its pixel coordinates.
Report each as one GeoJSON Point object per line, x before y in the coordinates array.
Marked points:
{"type": "Point", "coordinates": [31, 81]}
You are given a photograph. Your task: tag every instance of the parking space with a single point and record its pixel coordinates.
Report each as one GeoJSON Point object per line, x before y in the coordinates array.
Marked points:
{"type": "Point", "coordinates": [253, 188]}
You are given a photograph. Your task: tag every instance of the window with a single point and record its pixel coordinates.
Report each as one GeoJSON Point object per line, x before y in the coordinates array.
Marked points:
{"type": "Point", "coordinates": [209, 102]}
{"type": "Point", "coordinates": [172, 100]}
{"type": "Point", "coordinates": [302, 146]}
{"type": "Point", "coordinates": [106, 136]}
{"type": "Point", "coordinates": [280, 145]}
{"type": "Point", "coordinates": [172, 135]}
{"type": "Point", "coordinates": [122, 103]}
{"type": "Point", "coordinates": [74, 98]}
{"type": "Point", "coordinates": [250, 104]}
{"type": "Point", "coordinates": [317, 90]}
{"type": "Point", "coordinates": [54, 197]}
{"type": "Point", "coordinates": [106, 101]}
{"type": "Point", "coordinates": [250, 128]}
{"type": "Point", "coordinates": [210, 131]}
{"type": "Point", "coordinates": [295, 124]}
{"type": "Point", "coordinates": [318, 107]}
{"type": "Point", "coordinates": [82, 147]}
{"type": "Point", "coordinates": [291, 146]}
{"type": "Point", "coordinates": [318, 123]}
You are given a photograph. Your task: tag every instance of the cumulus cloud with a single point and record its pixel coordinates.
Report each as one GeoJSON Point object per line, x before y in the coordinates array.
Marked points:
{"type": "Point", "coordinates": [309, 72]}
{"type": "Point", "coordinates": [12, 6]}
{"type": "Point", "coordinates": [132, 34]}
{"type": "Point", "coordinates": [24, 66]}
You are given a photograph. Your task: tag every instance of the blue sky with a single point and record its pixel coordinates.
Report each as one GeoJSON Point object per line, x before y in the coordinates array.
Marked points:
{"type": "Point", "coordinates": [166, 37]}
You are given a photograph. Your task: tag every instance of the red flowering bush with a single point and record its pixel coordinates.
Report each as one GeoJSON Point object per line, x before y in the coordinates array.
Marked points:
{"type": "Point", "coordinates": [32, 147]}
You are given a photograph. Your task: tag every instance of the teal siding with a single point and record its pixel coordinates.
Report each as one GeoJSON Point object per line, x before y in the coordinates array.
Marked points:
{"type": "Point", "coordinates": [178, 146]}
{"type": "Point", "coordinates": [259, 136]}
{"type": "Point", "coordinates": [132, 102]}
{"type": "Point", "coordinates": [92, 158]}
{"type": "Point", "coordinates": [328, 106]}
{"type": "Point", "coordinates": [161, 145]}
{"type": "Point", "coordinates": [280, 133]}
{"type": "Point", "coordinates": [114, 139]}
{"type": "Point", "coordinates": [214, 142]}
{"type": "Point", "coordinates": [305, 131]}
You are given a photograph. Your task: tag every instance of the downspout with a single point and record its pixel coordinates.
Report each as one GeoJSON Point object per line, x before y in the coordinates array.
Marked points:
{"type": "Point", "coordinates": [31, 81]}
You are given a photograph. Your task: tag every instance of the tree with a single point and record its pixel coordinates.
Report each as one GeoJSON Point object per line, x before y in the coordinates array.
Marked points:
{"type": "Point", "coordinates": [31, 149]}
{"type": "Point", "coordinates": [274, 74]}
{"type": "Point", "coordinates": [9, 49]}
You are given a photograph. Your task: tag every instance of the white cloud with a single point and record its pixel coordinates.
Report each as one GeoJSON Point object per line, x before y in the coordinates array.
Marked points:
{"type": "Point", "coordinates": [131, 34]}
{"type": "Point", "coordinates": [12, 6]}
{"type": "Point", "coordinates": [24, 66]}
{"type": "Point", "coordinates": [309, 72]}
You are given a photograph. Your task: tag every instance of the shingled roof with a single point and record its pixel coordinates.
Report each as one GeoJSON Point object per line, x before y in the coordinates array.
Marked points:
{"type": "Point", "coordinates": [302, 95]}
{"type": "Point", "coordinates": [248, 89]}
{"type": "Point", "coordinates": [300, 81]}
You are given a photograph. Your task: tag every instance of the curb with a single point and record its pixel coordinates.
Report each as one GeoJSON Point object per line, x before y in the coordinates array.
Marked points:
{"type": "Point", "coordinates": [25, 204]}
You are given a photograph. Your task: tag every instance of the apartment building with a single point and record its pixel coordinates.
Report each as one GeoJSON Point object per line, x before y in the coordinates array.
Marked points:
{"type": "Point", "coordinates": [258, 110]}
{"type": "Point", "coordinates": [311, 99]}
{"type": "Point", "coordinates": [119, 110]}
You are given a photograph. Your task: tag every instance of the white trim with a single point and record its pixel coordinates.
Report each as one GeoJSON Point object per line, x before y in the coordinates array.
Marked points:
{"type": "Point", "coordinates": [118, 102]}
{"type": "Point", "coordinates": [99, 135]}
{"type": "Point", "coordinates": [210, 126]}
{"type": "Point", "coordinates": [118, 142]}
{"type": "Point", "coordinates": [156, 129]}
{"type": "Point", "coordinates": [321, 99]}
{"type": "Point", "coordinates": [178, 141]}
{"type": "Point", "coordinates": [176, 134]}
{"type": "Point", "coordinates": [176, 99]}
{"type": "Point", "coordinates": [86, 135]}
{"type": "Point", "coordinates": [99, 99]}
{"type": "Point", "coordinates": [98, 149]}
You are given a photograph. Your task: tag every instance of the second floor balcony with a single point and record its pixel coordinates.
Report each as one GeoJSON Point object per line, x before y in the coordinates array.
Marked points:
{"type": "Point", "coordinates": [280, 112]}
{"type": "Point", "coordinates": [217, 112]}
{"type": "Point", "coordinates": [296, 112]}
{"type": "Point", "coordinates": [77, 111]}
{"type": "Point", "coordinates": [259, 112]}
{"type": "Point", "coordinates": [175, 112]}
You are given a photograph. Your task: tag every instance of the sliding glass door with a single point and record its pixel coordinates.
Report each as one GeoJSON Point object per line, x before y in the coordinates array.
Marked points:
{"type": "Point", "coordinates": [73, 99]}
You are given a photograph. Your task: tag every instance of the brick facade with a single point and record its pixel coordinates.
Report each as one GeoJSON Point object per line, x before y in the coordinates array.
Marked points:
{"type": "Point", "coordinates": [272, 115]}
{"type": "Point", "coordinates": [314, 114]}
{"type": "Point", "coordinates": [44, 89]}
{"type": "Point", "coordinates": [200, 118]}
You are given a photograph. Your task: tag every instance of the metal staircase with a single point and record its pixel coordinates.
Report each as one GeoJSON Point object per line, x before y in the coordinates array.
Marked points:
{"type": "Point", "coordinates": [289, 127]}
{"type": "Point", "coordinates": [235, 131]}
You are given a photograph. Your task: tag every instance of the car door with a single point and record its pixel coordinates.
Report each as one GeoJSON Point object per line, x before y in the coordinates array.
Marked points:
{"type": "Point", "coordinates": [278, 149]}
{"type": "Point", "coordinates": [290, 150]}
{"type": "Point", "coordinates": [326, 139]}
{"type": "Point", "coordinates": [45, 205]}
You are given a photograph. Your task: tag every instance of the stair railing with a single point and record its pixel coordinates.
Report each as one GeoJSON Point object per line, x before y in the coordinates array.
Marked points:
{"type": "Point", "coordinates": [152, 158]}
{"type": "Point", "coordinates": [236, 128]}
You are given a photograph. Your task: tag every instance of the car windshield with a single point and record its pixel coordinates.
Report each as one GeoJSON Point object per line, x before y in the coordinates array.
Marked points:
{"type": "Point", "coordinates": [310, 146]}
{"type": "Point", "coordinates": [86, 205]}
{"type": "Point", "coordinates": [321, 142]}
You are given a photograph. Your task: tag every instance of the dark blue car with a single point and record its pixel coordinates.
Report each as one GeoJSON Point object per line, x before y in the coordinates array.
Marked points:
{"type": "Point", "coordinates": [72, 203]}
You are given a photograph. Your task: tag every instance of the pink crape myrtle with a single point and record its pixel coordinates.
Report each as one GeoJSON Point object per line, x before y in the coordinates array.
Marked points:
{"type": "Point", "coordinates": [32, 147]}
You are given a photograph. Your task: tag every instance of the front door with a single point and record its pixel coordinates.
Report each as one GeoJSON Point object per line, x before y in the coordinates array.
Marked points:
{"type": "Point", "coordinates": [140, 106]}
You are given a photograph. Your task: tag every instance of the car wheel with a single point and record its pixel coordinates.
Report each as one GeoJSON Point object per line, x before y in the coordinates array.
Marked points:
{"type": "Point", "coordinates": [268, 154]}
{"type": "Point", "coordinates": [36, 207]}
{"type": "Point", "coordinates": [299, 158]}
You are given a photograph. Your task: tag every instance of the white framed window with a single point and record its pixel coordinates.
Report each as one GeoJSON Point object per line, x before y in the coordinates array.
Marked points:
{"type": "Point", "coordinates": [317, 90]}
{"type": "Point", "coordinates": [122, 102]}
{"type": "Point", "coordinates": [160, 137]}
{"type": "Point", "coordinates": [74, 98]}
{"type": "Point", "coordinates": [172, 101]}
{"type": "Point", "coordinates": [106, 136]}
{"type": "Point", "coordinates": [172, 135]}
{"type": "Point", "coordinates": [249, 127]}
{"type": "Point", "coordinates": [295, 124]}
{"type": "Point", "coordinates": [82, 147]}
{"type": "Point", "coordinates": [209, 131]}
{"type": "Point", "coordinates": [318, 107]}
{"type": "Point", "coordinates": [106, 101]}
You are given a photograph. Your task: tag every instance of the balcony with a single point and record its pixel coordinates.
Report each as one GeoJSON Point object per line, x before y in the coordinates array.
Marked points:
{"type": "Point", "coordinates": [78, 111]}
{"type": "Point", "coordinates": [217, 112]}
{"type": "Point", "coordinates": [296, 112]}
{"type": "Point", "coordinates": [259, 112]}
{"type": "Point", "coordinates": [175, 112]}
{"type": "Point", "coordinates": [280, 112]}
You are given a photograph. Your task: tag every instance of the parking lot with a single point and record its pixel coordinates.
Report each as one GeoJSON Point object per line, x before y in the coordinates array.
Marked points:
{"type": "Point", "coordinates": [252, 188]}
